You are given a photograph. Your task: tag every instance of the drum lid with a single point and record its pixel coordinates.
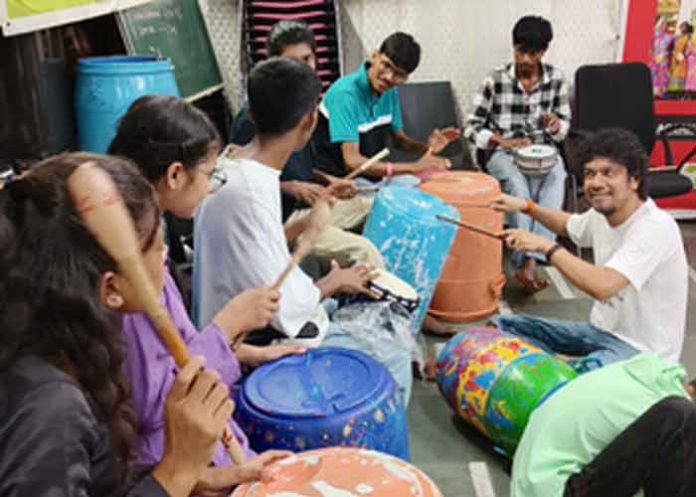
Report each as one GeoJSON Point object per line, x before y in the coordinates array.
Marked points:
{"type": "Point", "coordinates": [321, 383]}
{"type": "Point", "coordinates": [416, 204]}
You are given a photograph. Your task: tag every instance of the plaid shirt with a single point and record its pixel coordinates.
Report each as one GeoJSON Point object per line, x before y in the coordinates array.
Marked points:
{"type": "Point", "coordinates": [504, 107]}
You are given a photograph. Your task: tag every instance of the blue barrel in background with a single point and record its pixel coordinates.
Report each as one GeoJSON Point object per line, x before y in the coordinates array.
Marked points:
{"type": "Point", "coordinates": [326, 397]}
{"type": "Point", "coordinates": [413, 242]}
{"type": "Point", "coordinates": [107, 86]}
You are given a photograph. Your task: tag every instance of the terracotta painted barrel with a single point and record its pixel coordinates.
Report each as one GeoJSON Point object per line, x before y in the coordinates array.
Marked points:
{"type": "Point", "coordinates": [342, 471]}
{"type": "Point", "coordinates": [472, 280]}
{"type": "Point", "coordinates": [494, 381]}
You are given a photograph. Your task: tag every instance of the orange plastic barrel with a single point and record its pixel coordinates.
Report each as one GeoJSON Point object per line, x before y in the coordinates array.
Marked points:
{"type": "Point", "coordinates": [472, 279]}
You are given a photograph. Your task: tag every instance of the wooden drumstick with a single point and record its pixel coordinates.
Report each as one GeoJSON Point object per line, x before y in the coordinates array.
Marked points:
{"type": "Point", "coordinates": [471, 227]}
{"type": "Point", "coordinates": [474, 205]}
{"type": "Point", "coordinates": [103, 212]}
{"type": "Point", "coordinates": [369, 188]}
{"type": "Point", "coordinates": [319, 218]}
{"type": "Point", "coordinates": [368, 163]}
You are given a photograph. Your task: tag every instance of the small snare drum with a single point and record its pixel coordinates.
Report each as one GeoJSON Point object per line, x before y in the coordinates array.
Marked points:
{"type": "Point", "coordinates": [536, 160]}
{"type": "Point", "coordinates": [390, 288]}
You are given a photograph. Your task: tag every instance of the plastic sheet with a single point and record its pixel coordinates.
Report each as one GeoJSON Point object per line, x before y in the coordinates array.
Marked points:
{"type": "Point", "coordinates": [376, 324]}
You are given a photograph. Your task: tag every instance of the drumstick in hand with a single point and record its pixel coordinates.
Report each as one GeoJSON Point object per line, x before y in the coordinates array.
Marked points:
{"type": "Point", "coordinates": [99, 205]}
{"type": "Point", "coordinates": [472, 227]}
{"type": "Point", "coordinates": [368, 163]}
{"type": "Point", "coordinates": [319, 218]}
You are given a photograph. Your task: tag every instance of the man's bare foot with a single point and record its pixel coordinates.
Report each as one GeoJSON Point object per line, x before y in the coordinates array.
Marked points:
{"type": "Point", "coordinates": [526, 275]}
{"type": "Point", "coordinates": [434, 327]}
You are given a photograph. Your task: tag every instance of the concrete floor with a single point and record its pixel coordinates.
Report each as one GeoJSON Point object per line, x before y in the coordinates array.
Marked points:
{"type": "Point", "coordinates": [450, 451]}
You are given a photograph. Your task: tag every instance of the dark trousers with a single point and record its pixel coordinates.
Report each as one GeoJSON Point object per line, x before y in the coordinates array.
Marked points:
{"type": "Point", "coordinates": [656, 453]}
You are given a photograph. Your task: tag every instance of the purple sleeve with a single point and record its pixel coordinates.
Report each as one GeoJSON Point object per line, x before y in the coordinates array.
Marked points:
{"type": "Point", "coordinates": [152, 370]}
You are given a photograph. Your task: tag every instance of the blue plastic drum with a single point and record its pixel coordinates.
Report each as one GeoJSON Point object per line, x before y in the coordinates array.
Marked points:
{"type": "Point", "coordinates": [414, 243]}
{"type": "Point", "coordinates": [107, 86]}
{"type": "Point", "coordinates": [326, 397]}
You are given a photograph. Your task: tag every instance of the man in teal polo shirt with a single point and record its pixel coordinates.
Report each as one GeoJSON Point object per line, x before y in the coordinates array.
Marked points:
{"type": "Point", "coordinates": [615, 431]}
{"type": "Point", "coordinates": [361, 110]}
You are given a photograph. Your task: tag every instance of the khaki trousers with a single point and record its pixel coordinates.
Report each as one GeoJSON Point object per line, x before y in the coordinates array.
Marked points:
{"type": "Point", "coordinates": [337, 243]}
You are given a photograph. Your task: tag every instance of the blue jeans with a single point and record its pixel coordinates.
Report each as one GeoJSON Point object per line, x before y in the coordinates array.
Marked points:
{"type": "Point", "coordinates": [396, 360]}
{"type": "Point", "coordinates": [594, 347]}
{"type": "Point", "coordinates": [547, 190]}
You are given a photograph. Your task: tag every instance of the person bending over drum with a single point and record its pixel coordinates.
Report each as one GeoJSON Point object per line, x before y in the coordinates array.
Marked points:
{"type": "Point", "coordinates": [639, 278]}
{"type": "Point", "coordinates": [624, 430]}
{"type": "Point", "coordinates": [521, 103]}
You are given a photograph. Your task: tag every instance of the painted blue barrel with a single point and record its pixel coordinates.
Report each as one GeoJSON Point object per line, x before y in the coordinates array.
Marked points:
{"type": "Point", "coordinates": [326, 397]}
{"type": "Point", "coordinates": [414, 243]}
{"type": "Point", "coordinates": [107, 86]}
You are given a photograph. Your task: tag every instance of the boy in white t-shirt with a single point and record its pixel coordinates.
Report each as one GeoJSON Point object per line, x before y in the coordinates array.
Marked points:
{"type": "Point", "coordinates": [639, 278]}
{"type": "Point", "coordinates": [239, 235]}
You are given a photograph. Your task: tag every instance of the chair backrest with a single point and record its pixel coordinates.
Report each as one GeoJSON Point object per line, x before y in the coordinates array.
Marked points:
{"type": "Point", "coordinates": [615, 95]}
{"type": "Point", "coordinates": [426, 106]}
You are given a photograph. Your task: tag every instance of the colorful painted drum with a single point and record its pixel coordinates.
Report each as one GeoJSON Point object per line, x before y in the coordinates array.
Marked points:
{"type": "Point", "coordinates": [342, 471]}
{"type": "Point", "coordinates": [326, 397]}
{"type": "Point", "coordinates": [414, 243]}
{"type": "Point", "coordinates": [494, 381]}
{"type": "Point", "coordinates": [472, 279]}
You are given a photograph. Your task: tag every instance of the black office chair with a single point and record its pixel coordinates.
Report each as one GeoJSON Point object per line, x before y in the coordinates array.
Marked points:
{"type": "Point", "coordinates": [621, 95]}
{"type": "Point", "coordinates": [424, 107]}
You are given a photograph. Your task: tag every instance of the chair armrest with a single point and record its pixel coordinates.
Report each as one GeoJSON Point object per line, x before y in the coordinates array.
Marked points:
{"type": "Point", "coordinates": [661, 169]}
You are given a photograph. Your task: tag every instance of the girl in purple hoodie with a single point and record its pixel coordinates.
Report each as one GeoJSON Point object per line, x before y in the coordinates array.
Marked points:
{"type": "Point", "coordinates": [176, 146]}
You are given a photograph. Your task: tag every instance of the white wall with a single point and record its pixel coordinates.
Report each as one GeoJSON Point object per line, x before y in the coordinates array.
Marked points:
{"type": "Point", "coordinates": [461, 39]}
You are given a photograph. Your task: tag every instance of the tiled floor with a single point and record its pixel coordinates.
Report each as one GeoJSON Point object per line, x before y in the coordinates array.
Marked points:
{"type": "Point", "coordinates": [444, 447]}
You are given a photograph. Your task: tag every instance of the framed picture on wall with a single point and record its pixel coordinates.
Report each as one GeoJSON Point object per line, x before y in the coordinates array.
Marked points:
{"type": "Point", "coordinates": [660, 33]}
{"type": "Point", "coordinates": [25, 16]}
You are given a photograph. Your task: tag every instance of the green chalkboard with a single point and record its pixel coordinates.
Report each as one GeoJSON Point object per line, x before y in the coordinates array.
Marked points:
{"type": "Point", "coordinates": [174, 29]}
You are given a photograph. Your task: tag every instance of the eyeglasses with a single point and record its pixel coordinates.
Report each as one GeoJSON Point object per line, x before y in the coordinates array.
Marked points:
{"type": "Point", "coordinates": [218, 178]}
{"type": "Point", "coordinates": [387, 66]}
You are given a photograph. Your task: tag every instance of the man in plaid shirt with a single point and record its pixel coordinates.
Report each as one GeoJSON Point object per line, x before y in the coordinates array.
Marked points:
{"type": "Point", "coordinates": [519, 104]}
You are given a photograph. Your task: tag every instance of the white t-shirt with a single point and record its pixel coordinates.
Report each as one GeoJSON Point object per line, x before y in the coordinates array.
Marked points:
{"type": "Point", "coordinates": [240, 244]}
{"type": "Point", "coordinates": [650, 312]}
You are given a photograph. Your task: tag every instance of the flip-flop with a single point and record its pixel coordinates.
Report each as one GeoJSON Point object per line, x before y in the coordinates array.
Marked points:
{"type": "Point", "coordinates": [531, 287]}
